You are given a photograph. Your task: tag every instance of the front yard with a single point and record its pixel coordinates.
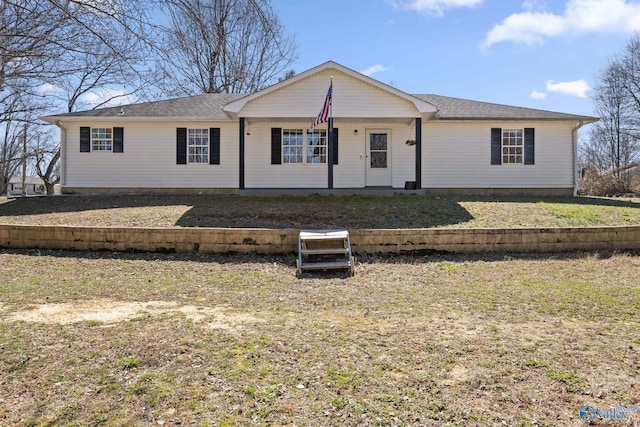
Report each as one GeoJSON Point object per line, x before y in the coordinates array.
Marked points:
{"type": "Point", "coordinates": [207, 340]}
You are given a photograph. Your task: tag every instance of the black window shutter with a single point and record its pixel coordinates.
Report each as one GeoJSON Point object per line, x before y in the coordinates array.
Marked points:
{"type": "Point", "coordinates": [335, 146]}
{"type": "Point", "coordinates": [529, 146]}
{"type": "Point", "coordinates": [85, 139]}
{"type": "Point", "coordinates": [276, 146]}
{"type": "Point", "coordinates": [181, 146]}
{"type": "Point", "coordinates": [118, 140]}
{"type": "Point", "coordinates": [214, 146]}
{"type": "Point", "coordinates": [496, 146]}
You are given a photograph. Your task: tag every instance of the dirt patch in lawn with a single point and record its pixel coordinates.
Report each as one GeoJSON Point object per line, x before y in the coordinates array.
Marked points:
{"type": "Point", "coordinates": [107, 312]}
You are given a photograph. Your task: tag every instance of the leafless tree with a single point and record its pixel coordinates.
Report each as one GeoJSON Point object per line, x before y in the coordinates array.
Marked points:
{"type": "Point", "coordinates": [224, 46]}
{"type": "Point", "coordinates": [613, 144]}
{"type": "Point", "coordinates": [74, 46]}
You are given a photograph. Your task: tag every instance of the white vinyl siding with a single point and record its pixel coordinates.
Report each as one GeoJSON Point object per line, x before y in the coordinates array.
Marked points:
{"type": "Point", "coordinates": [458, 155]}
{"type": "Point", "coordinates": [351, 98]}
{"type": "Point", "coordinates": [149, 160]}
{"type": "Point", "coordinates": [260, 173]}
{"type": "Point", "coordinates": [348, 173]}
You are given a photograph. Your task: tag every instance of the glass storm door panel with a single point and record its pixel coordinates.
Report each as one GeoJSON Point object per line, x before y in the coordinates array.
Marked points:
{"type": "Point", "coordinates": [378, 158]}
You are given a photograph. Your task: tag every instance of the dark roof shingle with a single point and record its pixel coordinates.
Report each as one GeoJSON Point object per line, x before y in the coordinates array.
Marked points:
{"type": "Point", "coordinates": [210, 106]}
{"type": "Point", "coordinates": [461, 109]}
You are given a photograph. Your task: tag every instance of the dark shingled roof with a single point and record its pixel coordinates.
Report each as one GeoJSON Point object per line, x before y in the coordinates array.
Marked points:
{"type": "Point", "coordinates": [209, 106]}
{"type": "Point", "coordinates": [464, 109]}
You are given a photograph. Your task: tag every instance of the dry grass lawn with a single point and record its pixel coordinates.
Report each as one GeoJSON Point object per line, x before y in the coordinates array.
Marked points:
{"type": "Point", "coordinates": [207, 340]}
{"type": "Point", "coordinates": [320, 211]}
{"type": "Point", "coordinates": [112, 339]}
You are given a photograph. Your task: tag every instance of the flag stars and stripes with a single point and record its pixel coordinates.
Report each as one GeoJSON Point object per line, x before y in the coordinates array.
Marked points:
{"type": "Point", "coordinates": [323, 115]}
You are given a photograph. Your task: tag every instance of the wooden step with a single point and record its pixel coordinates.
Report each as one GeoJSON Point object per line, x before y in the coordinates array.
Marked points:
{"type": "Point", "coordinates": [326, 265]}
{"type": "Point", "coordinates": [324, 235]}
{"type": "Point", "coordinates": [326, 251]}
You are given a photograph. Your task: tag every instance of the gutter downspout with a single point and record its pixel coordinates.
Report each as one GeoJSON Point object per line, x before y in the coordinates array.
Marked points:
{"type": "Point", "coordinates": [574, 137]}
{"type": "Point", "coordinates": [63, 153]}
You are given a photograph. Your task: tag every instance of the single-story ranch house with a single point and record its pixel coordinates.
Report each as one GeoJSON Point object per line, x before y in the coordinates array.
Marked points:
{"type": "Point", "coordinates": [382, 138]}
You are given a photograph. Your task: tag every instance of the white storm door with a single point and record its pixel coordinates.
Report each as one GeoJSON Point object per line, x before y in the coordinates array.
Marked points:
{"type": "Point", "coordinates": [378, 158]}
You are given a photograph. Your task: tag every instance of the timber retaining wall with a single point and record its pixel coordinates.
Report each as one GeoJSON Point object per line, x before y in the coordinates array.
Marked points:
{"type": "Point", "coordinates": [277, 241]}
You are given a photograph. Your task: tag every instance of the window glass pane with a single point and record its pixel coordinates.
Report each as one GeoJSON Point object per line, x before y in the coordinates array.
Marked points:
{"type": "Point", "coordinates": [378, 141]}
{"type": "Point", "coordinates": [292, 145]}
{"type": "Point", "coordinates": [378, 159]}
{"type": "Point", "coordinates": [198, 145]}
{"type": "Point", "coordinates": [512, 147]}
{"type": "Point", "coordinates": [317, 146]}
{"type": "Point", "coordinates": [101, 139]}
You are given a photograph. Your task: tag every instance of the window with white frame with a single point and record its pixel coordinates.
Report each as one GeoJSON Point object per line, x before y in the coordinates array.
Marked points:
{"type": "Point", "coordinates": [297, 149]}
{"type": "Point", "coordinates": [512, 146]}
{"type": "Point", "coordinates": [317, 146]}
{"type": "Point", "coordinates": [101, 139]}
{"type": "Point", "coordinates": [292, 146]}
{"type": "Point", "coordinates": [198, 146]}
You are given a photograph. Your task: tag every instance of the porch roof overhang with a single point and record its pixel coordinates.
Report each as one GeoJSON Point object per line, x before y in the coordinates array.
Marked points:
{"type": "Point", "coordinates": [336, 120]}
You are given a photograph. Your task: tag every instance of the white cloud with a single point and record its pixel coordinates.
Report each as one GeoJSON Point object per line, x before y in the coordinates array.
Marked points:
{"type": "Point", "coordinates": [580, 16]}
{"type": "Point", "coordinates": [48, 89]}
{"type": "Point", "coordinates": [374, 69]}
{"type": "Point", "coordinates": [538, 95]}
{"type": "Point", "coordinates": [112, 97]}
{"type": "Point", "coordinates": [577, 88]}
{"type": "Point", "coordinates": [531, 5]}
{"type": "Point", "coordinates": [435, 7]}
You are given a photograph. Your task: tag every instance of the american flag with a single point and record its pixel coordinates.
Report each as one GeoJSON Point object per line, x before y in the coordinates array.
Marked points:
{"type": "Point", "coordinates": [323, 116]}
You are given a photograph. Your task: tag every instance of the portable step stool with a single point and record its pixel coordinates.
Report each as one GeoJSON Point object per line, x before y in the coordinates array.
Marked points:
{"type": "Point", "coordinates": [324, 250]}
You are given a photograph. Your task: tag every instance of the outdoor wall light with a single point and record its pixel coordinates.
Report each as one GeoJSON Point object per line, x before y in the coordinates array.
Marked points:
{"type": "Point", "coordinates": [355, 131]}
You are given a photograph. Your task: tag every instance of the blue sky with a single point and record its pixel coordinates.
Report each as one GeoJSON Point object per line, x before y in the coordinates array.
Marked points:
{"type": "Point", "coordinates": [535, 53]}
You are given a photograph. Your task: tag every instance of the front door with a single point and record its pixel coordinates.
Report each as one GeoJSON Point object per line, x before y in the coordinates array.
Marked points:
{"type": "Point", "coordinates": [378, 158]}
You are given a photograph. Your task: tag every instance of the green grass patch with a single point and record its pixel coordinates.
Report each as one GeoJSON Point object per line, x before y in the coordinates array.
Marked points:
{"type": "Point", "coordinates": [129, 363]}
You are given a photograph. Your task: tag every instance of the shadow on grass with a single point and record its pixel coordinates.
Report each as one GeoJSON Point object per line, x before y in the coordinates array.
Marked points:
{"type": "Point", "coordinates": [297, 212]}
{"type": "Point", "coordinates": [60, 204]}
{"type": "Point", "coordinates": [289, 260]}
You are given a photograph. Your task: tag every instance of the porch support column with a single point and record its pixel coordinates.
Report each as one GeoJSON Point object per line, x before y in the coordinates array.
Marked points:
{"type": "Point", "coordinates": [330, 154]}
{"type": "Point", "coordinates": [241, 156]}
{"type": "Point", "coordinates": [418, 153]}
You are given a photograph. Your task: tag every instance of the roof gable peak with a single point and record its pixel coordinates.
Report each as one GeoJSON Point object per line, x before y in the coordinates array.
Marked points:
{"type": "Point", "coordinates": [422, 106]}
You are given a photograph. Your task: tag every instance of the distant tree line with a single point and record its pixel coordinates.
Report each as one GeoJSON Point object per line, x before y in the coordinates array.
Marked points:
{"type": "Point", "coordinates": [611, 154]}
{"type": "Point", "coordinates": [53, 53]}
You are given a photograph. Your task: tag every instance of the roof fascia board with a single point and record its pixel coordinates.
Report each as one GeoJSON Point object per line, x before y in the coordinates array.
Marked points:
{"type": "Point", "coordinates": [54, 119]}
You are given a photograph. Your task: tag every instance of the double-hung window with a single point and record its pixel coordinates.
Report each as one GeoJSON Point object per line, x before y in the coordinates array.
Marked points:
{"type": "Point", "coordinates": [198, 146]}
{"type": "Point", "coordinates": [298, 149]}
{"type": "Point", "coordinates": [292, 146]}
{"type": "Point", "coordinates": [101, 139]}
{"type": "Point", "coordinates": [317, 146]}
{"type": "Point", "coordinates": [512, 146]}
{"type": "Point", "coordinates": [299, 146]}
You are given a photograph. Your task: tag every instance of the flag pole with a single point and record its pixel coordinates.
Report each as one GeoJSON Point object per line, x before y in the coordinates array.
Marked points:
{"type": "Point", "coordinates": [330, 142]}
